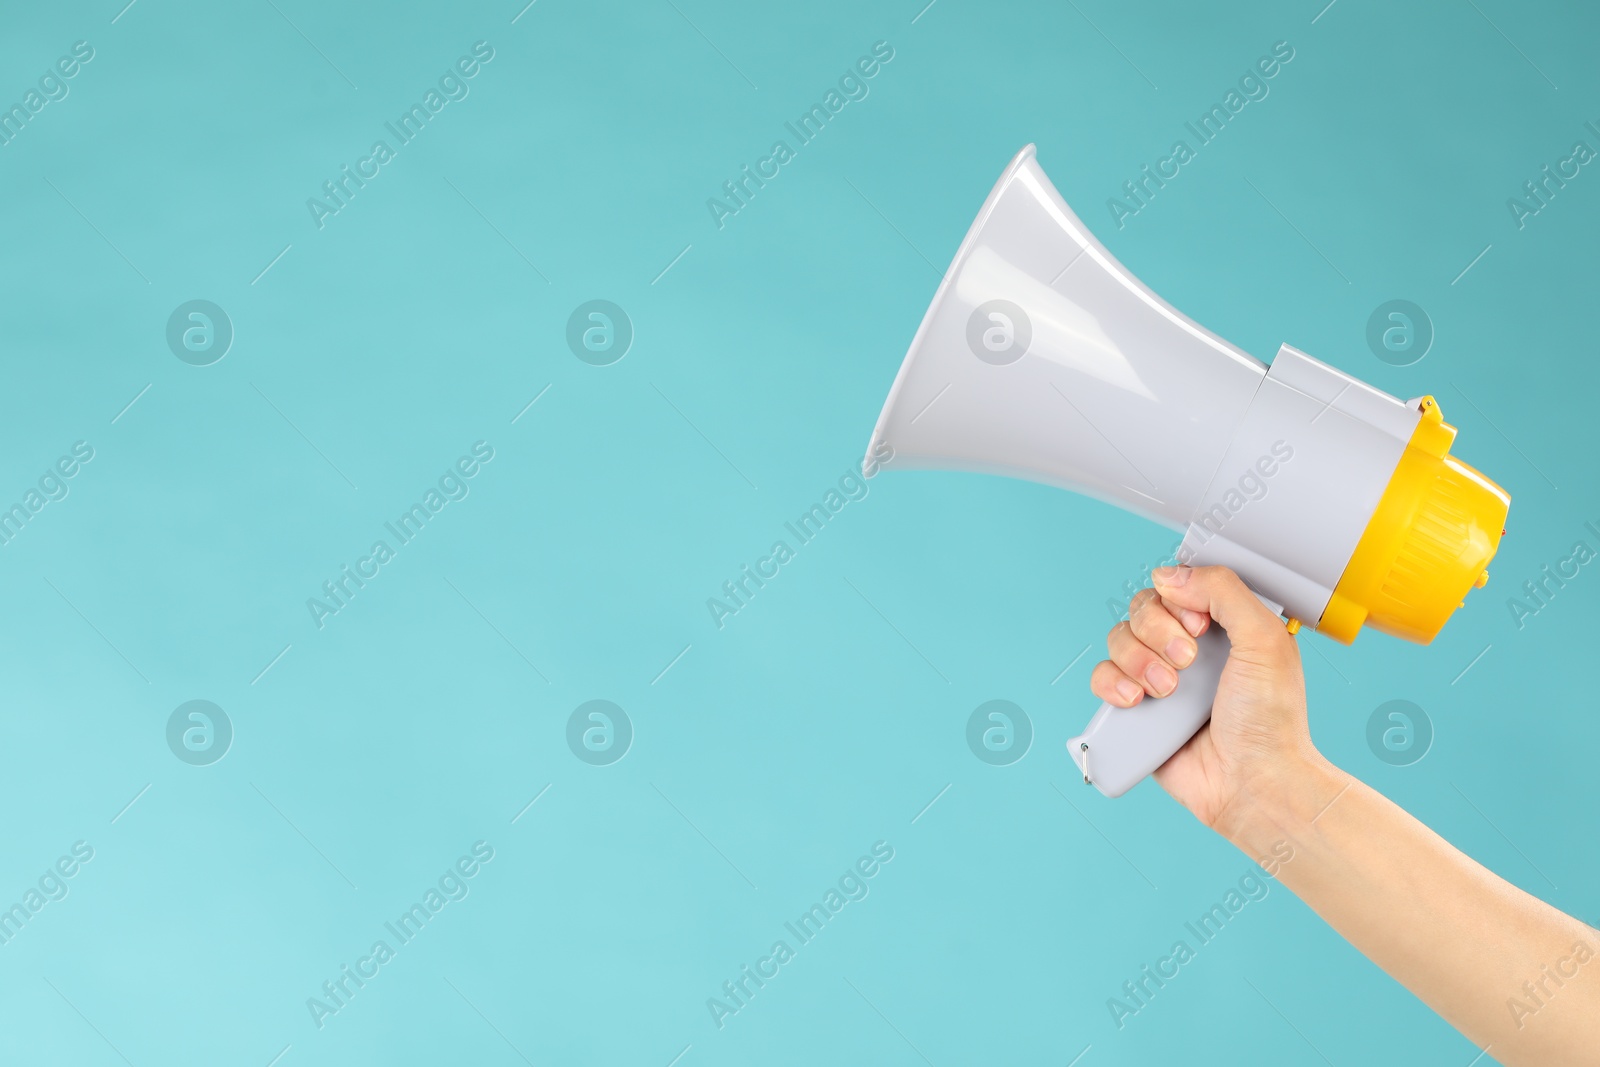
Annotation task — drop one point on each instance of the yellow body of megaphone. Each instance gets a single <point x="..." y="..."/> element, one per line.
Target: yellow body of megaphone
<point x="1042" y="357"/>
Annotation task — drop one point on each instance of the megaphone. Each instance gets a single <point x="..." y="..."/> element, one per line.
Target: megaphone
<point x="1042" y="357"/>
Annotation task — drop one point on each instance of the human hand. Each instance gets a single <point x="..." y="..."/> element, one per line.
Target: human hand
<point x="1258" y="732"/>
<point x="1395" y="889"/>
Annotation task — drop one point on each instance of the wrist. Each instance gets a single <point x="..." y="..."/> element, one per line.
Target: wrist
<point x="1281" y="802"/>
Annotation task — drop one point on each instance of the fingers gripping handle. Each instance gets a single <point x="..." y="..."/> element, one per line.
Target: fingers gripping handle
<point x="1120" y="746"/>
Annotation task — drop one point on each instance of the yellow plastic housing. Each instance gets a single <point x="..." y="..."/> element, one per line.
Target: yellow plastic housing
<point x="1430" y="540"/>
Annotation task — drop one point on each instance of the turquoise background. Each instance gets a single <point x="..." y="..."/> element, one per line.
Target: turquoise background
<point x="767" y="756"/>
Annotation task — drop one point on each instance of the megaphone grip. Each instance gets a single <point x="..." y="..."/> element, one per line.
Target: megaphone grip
<point x="1120" y="746"/>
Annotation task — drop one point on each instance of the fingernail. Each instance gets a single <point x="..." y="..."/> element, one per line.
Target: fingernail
<point x="1173" y="576"/>
<point x="1129" y="691"/>
<point x="1192" y="621"/>
<point x="1161" y="678"/>
<point x="1180" y="651"/>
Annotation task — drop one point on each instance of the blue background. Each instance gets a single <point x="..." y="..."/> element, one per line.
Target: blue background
<point x="770" y="754"/>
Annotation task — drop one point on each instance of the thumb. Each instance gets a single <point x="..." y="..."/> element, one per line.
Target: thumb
<point x="1223" y="595"/>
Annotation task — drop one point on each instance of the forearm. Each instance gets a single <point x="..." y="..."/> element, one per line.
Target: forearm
<point x="1506" y="969"/>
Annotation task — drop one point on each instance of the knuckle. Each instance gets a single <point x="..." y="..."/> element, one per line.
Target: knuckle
<point x="1157" y="627"/>
<point x="1103" y="681"/>
<point x="1145" y="610"/>
<point x="1220" y="576"/>
<point x="1132" y="656"/>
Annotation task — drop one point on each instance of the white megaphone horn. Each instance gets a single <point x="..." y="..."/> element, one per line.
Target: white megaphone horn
<point x="1042" y="357"/>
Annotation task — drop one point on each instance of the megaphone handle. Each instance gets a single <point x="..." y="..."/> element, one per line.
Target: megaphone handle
<point x="1120" y="746"/>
